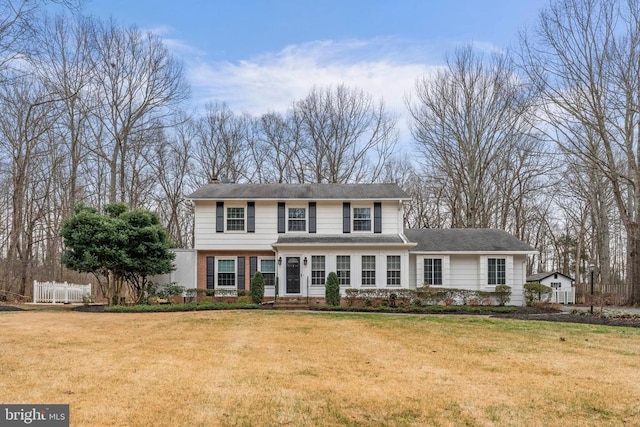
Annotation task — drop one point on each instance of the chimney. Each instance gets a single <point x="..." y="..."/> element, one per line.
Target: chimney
<point x="214" y="180"/>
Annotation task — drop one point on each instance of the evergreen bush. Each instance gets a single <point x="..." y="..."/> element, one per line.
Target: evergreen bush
<point x="257" y="288"/>
<point x="332" y="290"/>
<point x="503" y="294"/>
<point x="534" y="292"/>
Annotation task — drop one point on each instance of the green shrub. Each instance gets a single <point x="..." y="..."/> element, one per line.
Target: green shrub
<point x="534" y="292"/>
<point x="332" y="290"/>
<point x="257" y="288"/>
<point x="503" y="294"/>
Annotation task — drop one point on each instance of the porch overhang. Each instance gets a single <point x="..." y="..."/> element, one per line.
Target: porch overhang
<point x="343" y="240"/>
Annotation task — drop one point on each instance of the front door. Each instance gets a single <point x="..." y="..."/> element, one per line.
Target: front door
<point x="293" y="275"/>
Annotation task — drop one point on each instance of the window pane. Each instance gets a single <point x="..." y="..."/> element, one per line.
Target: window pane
<point x="343" y="263"/>
<point x="268" y="266"/>
<point x="361" y="219"/>
<point x="433" y="271"/>
<point x="393" y="270"/>
<point x="368" y="270"/>
<point x="297" y="221"/>
<point x="496" y="271"/>
<point x="226" y="266"/>
<point x="235" y="219"/>
<point x="317" y="270"/>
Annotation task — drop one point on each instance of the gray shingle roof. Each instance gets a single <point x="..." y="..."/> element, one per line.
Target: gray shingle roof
<point x="541" y="276"/>
<point x="340" y="239"/>
<point x="465" y="240"/>
<point x="300" y="191"/>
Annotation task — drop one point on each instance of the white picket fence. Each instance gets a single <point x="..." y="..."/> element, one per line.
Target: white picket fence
<point x="54" y="292"/>
<point x="563" y="297"/>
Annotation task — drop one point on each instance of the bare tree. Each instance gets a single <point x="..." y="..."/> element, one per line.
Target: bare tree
<point x="223" y="144"/>
<point x="471" y="122"/>
<point x="584" y="56"/>
<point x="172" y="163"/>
<point x="24" y="122"/>
<point x="345" y="136"/>
<point x="278" y="149"/>
<point x="137" y="83"/>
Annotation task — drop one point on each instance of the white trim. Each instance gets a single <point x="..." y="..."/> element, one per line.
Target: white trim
<point x="353" y="218"/>
<point x="306" y="218"/>
<point x="217" y="272"/>
<point x="446" y="263"/>
<point x="244" y="210"/>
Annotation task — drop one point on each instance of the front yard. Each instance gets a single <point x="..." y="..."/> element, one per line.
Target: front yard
<point x="286" y="368"/>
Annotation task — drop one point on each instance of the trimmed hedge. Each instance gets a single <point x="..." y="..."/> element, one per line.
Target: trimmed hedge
<point x="434" y="309"/>
<point x="426" y="296"/>
<point x="536" y="292"/>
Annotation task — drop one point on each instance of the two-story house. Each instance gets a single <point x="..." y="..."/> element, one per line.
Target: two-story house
<point x="295" y="234"/>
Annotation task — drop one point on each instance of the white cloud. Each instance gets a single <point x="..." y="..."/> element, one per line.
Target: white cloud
<point x="384" y="68"/>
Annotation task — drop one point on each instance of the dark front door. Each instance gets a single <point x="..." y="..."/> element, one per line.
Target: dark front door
<point x="293" y="275"/>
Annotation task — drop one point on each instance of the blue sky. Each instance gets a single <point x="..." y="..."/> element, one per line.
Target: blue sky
<point x="259" y="56"/>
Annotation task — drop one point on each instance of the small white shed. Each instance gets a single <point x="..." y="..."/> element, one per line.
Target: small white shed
<point x="562" y="285"/>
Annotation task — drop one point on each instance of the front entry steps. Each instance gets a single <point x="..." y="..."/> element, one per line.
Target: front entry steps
<point x="295" y="303"/>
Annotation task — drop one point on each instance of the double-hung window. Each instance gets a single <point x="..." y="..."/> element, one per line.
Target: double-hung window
<point x="317" y="270"/>
<point x="393" y="270"/>
<point x="361" y="219"/>
<point x="432" y="271"/>
<point x="297" y="219"/>
<point x="235" y="219"/>
<point x="268" y="270"/>
<point x="343" y="269"/>
<point x="227" y="272"/>
<point x="368" y="270"/>
<point x="497" y="271"/>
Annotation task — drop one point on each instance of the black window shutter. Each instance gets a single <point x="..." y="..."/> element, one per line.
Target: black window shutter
<point x="253" y="266"/>
<point x="241" y="272"/>
<point x="346" y="217"/>
<point x="211" y="271"/>
<point x="377" y="217"/>
<point x="281" y="222"/>
<point x="220" y="217"/>
<point x="251" y="217"/>
<point x="312" y="217"/>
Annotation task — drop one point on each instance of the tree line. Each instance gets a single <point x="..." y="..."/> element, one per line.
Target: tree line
<point x="540" y="140"/>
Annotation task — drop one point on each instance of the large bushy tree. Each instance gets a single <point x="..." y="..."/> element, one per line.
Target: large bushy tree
<point x="120" y="247"/>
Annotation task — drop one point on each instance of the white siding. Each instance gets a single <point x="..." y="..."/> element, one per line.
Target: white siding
<point x="266" y="231"/>
<point x="328" y="217"/>
<point x="469" y="271"/>
<point x="328" y="221"/>
<point x="185" y="272"/>
<point x="330" y="254"/>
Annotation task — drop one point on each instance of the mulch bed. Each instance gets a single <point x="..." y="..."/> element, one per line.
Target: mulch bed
<point x="532" y="313"/>
<point x="4" y="307"/>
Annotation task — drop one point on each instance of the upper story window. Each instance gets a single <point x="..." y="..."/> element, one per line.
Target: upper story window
<point x="497" y="271"/>
<point x="235" y="219"/>
<point x="297" y="219"/>
<point x="361" y="219"/>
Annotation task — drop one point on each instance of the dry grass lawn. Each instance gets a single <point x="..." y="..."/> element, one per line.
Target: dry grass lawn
<point x="279" y="368"/>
